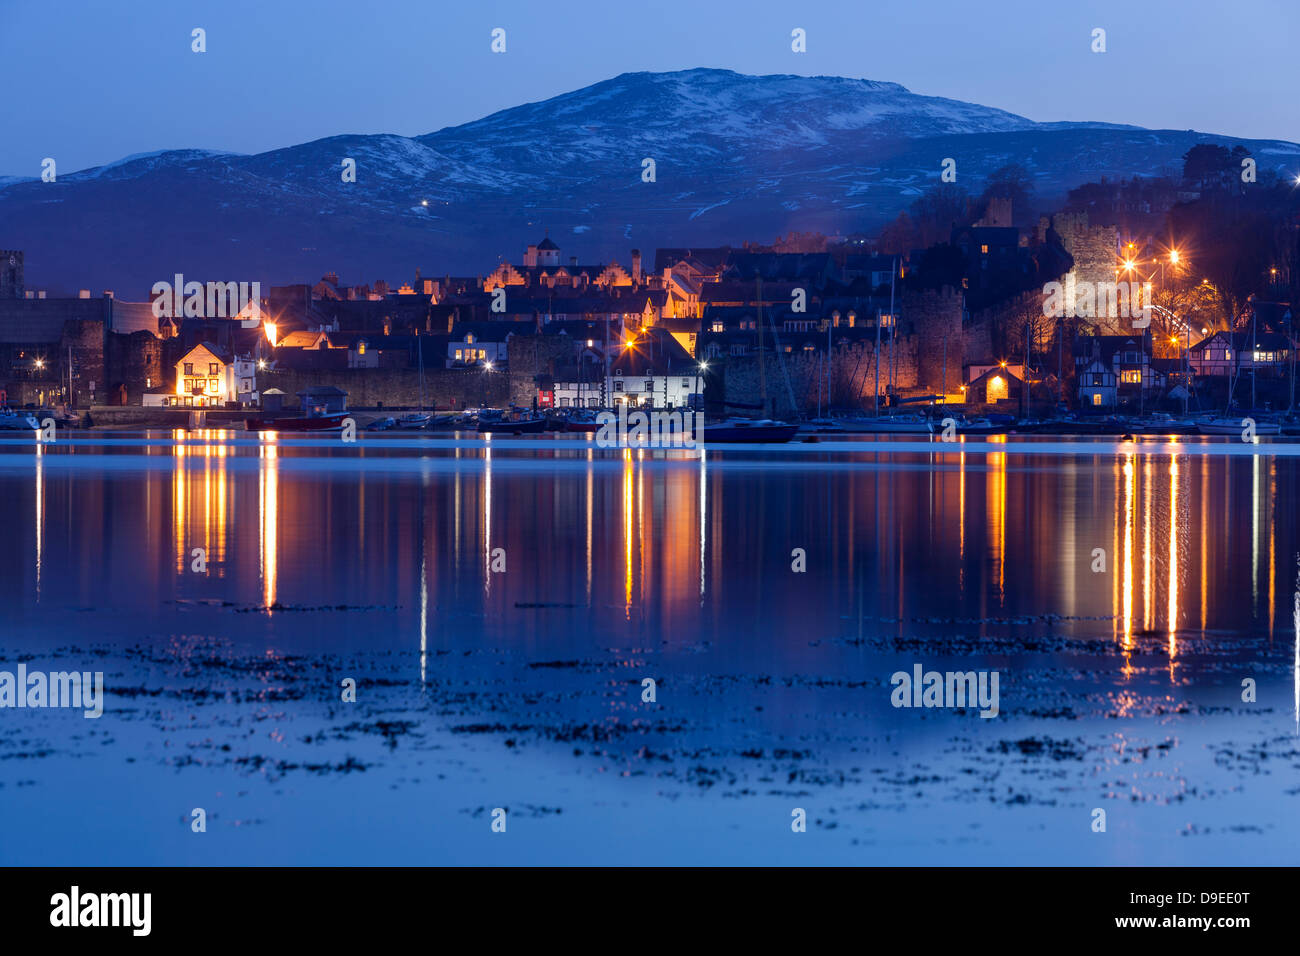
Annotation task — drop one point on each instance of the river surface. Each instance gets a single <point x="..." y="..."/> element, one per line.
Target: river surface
<point x="501" y="605"/>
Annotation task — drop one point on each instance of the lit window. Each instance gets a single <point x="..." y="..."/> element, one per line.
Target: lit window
<point x="984" y="249"/>
<point x="361" y="347"/>
<point x="189" y="368"/>
<point x="212" y="368"/>
<point x="1096" y="398"/>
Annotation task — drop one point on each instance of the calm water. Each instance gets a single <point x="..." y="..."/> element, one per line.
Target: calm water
<point x="1120" y="688"/>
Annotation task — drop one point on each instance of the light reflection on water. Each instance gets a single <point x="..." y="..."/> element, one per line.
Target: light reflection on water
<point x="995" y="535"/>
<point x="640" y="557"/>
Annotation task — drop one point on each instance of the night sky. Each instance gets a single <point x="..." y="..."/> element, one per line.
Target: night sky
<point x="90" y="83"/>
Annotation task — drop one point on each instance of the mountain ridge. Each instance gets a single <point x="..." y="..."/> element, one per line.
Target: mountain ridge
<point x="737" y="158"/>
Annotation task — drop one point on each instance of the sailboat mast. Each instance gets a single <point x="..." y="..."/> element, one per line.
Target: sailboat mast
<point x="893" y="328"/>
<point x="877" y="363"/>
<point x="419" y="357"/>
<point x="1253" y="348"/>
<point x="819" y="386"/>
<point x="762" y="373"/>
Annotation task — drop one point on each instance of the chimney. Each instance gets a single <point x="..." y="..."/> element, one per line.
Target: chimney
<point x="108" y="293"/>
<point x="83" y="294"/>
<point x="573" y="260"/>
<point x="636" y="266"/>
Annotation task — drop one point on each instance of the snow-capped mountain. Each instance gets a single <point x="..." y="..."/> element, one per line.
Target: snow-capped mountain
<point x="735" y="158"/>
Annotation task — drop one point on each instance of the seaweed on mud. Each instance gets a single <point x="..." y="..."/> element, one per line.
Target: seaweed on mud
<point x="1042" y="747"/>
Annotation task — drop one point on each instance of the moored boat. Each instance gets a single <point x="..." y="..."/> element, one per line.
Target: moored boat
<point x="892" y="425"/>
<point x="443" y="423"/>
<point x="415" y="420"/>
<point x="18" y="421"/>
<point x="1236" y="426"/>
<point x="521" y="426"/>
<point x="313" y="423"/>
<point x="822" y="426"/>
<point x="981" y="426"/>
<point x="1160" y="423"/>
<point x="747" y="431"/>
<point x="584" y="421"/>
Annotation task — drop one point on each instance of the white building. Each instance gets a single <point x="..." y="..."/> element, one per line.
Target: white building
<point x="650" y="370"/>
<point x="207" y="376"/>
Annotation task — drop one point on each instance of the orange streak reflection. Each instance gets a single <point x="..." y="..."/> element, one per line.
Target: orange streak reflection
<point x="1173" y="563"/>
<point x="1126" y="589"/>
<point x="268" y="502"/>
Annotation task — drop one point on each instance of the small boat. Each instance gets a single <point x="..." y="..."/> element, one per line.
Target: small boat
<point x="892" y="425"/>
<point x="981" y="426"/>
<point x="582" y="422"/>
<point x="748" y="431"/>
<point x="515" y="426"/>
<point x="1096" y="426"/>
<point x="444" y="423"/>
<point x="1234" y="426"/>
<point x="381" y="424"/>
<point x="823" y="425"/>
<point x="313" y="423"/>
<point x="1161" y="423"/>
<point x="415" y="420"/>
<point x="18" y="421"/>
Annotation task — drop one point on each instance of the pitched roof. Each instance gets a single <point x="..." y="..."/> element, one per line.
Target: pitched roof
<point x="217" y="351"/>
<point x="484" y="331"/>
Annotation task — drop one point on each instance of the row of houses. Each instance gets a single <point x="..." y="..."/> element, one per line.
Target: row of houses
<point x="1111" y="367"/>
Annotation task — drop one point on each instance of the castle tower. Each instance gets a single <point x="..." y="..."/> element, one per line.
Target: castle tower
<point x="548" y="253"/>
